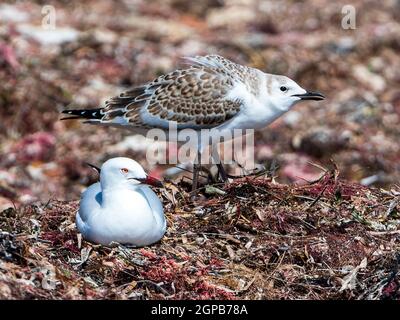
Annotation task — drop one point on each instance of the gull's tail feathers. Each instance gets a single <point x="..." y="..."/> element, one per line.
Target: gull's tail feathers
<point x="90" y="114"/>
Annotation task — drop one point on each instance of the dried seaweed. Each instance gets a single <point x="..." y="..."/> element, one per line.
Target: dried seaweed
<point x="258" y="240"/>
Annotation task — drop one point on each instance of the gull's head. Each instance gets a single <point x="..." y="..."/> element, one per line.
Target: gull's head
<point x="283" y="92"/>
<point x="124" y="172"/>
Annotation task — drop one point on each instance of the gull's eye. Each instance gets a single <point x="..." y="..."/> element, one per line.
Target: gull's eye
<point x="124" y="170"/>
<point x="283" y="89"/>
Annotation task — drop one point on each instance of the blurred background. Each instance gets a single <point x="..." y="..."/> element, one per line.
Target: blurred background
<point x="54" y="53"/>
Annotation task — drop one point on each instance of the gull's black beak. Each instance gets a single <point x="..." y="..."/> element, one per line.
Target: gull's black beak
<point x="94" y="167"/>
<point x="151" y="181"/>
<point x="310" y="96"/>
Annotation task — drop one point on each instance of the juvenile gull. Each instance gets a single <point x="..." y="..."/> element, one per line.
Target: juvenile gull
<point x="212" y="93"/>
<point x="121" y="208"/>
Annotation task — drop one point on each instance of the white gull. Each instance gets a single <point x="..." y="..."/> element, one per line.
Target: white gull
<point x="121" y="208"/>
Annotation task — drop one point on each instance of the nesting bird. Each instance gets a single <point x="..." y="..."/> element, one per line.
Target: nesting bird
<point x="213" y="93"/>
<point x="121" y="208"/>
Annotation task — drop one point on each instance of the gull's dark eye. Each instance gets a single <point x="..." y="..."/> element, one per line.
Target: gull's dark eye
<point x="124" y="170"/>
<point x="283" y="89"/>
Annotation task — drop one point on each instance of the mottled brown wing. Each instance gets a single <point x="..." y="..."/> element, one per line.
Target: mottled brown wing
<point x="246" y="75"/>
<point x="194" y="98"/>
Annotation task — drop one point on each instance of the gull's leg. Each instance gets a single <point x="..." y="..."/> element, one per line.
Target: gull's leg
<point x="210" y="177"/>
<point x="221" y="170"/>
<point x="196" y="171"/>
<point x="222" y="173"/>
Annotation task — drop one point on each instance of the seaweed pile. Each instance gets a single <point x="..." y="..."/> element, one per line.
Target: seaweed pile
<point x="251" y="239"/>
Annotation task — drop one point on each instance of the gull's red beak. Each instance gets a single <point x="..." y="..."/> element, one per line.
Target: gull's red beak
<point x="151" y="181"/>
